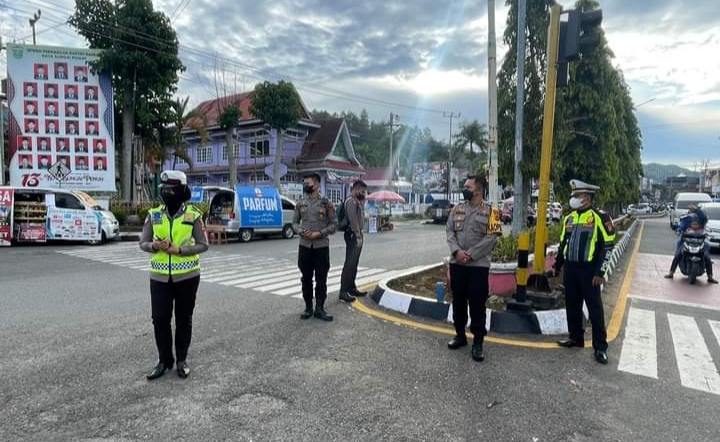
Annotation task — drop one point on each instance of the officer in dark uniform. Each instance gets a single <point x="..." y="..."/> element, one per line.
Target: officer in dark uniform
<point x="314" y="220"/>
<point x="472" y="230"/>
<point x="585" y="244"/>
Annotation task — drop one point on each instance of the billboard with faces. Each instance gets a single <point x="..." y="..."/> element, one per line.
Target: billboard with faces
<point x="59" y="110"/>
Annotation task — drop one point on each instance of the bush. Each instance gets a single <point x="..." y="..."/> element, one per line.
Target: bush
<point x="120" y="214"/>
<point x="506" y="249"/>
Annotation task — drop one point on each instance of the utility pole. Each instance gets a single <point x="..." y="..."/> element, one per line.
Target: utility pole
<point x="492" y="101"/>
<point x="450" y="115"/>
<point x="518" y="198"/>
<point x="32" y="21"/>
<point x="547" y="138"/>
<point x="2" y="130"/>
<point x="392" y="124"/>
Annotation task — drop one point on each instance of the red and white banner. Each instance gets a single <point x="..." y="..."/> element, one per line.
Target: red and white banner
<point x="60" y="110"/>
<point x="6" y="216"/>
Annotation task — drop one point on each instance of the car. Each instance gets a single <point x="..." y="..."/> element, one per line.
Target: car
<point x="684" y="200"/>
<point x="712" y="228"/>
<point x="440" y="210"/>
<point x="640" y="209"/>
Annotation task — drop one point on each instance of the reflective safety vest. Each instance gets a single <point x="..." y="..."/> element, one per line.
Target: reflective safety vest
<point x="178" y="231"/>
<point x="580" y="233"/>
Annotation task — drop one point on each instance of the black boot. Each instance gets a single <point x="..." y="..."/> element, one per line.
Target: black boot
<point x="183" y="369"/>
<point x="478" y="354"/>
<point x="308" y="311"/>
<point x="711" y="280"/>
<point x="457" y="342"/>
<point x="321" y="314"/>
<point x="159" y="370"/>
<point x="673" y="267"/>
<point x="347" y="297"/>
<point x="357" y="293"/>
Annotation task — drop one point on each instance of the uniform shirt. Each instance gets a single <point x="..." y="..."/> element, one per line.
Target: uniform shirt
<point x="201" y="244"/>
<point x="355" y="213"/>
<point x="587" y="237"/>
<point x="315" y="213"/>
<point x="475" y="229"/>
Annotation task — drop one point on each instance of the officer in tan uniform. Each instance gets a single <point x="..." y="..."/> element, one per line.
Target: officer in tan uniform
<point x="472" y="231"/>
<point x="315" y="220"/>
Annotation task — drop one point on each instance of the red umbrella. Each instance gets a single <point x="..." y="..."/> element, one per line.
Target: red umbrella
<point x="386" y="195"/>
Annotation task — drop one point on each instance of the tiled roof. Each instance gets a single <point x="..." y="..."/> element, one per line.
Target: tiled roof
<point x="320" y="142"/>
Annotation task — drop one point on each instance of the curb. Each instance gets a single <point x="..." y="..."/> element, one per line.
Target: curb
<point x="128" y="236"/>
<point x="546" y="322"/>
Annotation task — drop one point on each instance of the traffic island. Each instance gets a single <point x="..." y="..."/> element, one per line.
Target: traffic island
<point x="420" y="293"/>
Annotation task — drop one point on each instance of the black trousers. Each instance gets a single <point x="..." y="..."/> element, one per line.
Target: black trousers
<point x="469" y="285"/>
<point x="352" y="260"/>
<point x="315" y="262"/>
<point x="162" y="296"/>
<point x="578" y="288"/>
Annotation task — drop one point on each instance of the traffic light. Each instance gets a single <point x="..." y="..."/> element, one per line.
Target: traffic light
<point x="580" y="33"/>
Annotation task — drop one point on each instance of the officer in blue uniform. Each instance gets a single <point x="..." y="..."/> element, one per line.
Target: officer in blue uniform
<point x="585" y="244"/>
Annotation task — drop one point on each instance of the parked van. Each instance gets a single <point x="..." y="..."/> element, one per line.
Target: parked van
<point x="248" y="211"/>
<point x="40" y="215"/>
<point x="682" y="202"/>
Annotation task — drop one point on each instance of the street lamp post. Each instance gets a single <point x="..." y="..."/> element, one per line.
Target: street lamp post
<point x="32" y="21"/>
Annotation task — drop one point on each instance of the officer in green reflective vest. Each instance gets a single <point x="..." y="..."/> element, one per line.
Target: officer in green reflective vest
<point x="585" y="244"/>
<point x="174" y="234"/>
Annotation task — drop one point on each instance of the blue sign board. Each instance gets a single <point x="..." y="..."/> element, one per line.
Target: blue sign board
<point x="196" y="193"/>
<point x="259" y="206"/>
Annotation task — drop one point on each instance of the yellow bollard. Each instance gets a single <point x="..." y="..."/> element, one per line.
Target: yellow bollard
<point x="521" y="274"/>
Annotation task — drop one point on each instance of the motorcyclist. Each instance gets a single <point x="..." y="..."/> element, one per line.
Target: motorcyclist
<point x="694" y="222"/>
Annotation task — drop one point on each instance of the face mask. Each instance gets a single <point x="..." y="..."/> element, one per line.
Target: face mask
<point x="361" y="196"/>
<point x="171" y="196"/>
<point x="308" y="189"/>
<point x="468" y="194"/>
<point x="575" y="203"/>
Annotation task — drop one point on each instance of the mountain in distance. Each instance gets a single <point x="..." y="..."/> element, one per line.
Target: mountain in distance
<point x="659" y="172"/>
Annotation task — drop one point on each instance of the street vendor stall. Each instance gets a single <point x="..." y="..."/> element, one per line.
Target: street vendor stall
<point x="383" y="200"/>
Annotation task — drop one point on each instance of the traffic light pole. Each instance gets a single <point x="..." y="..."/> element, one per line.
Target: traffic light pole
<point x="547" y="139"/>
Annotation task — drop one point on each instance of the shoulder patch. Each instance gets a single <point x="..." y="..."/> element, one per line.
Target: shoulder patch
<point x="607" y="221"/>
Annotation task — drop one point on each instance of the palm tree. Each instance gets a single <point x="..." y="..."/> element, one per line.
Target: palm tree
<point x="472" y="134"/>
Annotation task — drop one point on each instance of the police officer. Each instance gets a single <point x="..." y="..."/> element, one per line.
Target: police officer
<point x="354" y="211"/>
<point x="174" y="234"/>
<point x="314" y="221"/>
<point x="585" y="245"/>
<point x="472" y="231"/>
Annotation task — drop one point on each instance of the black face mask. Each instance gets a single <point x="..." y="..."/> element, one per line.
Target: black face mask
<point x="308" y="189"/>
<point x="361" y="196"/>
<point x="468" y="194"/>
<point x="172" y="197"/>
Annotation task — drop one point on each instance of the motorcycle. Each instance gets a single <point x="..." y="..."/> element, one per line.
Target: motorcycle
<point x="692" y="262"/>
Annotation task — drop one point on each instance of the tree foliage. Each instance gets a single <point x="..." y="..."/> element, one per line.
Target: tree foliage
<point x="140" y="48"/>
<point x="277" y="105"/>
<point x="596" y="137"/>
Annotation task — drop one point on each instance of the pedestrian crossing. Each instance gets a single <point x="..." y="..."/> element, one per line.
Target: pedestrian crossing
<point x="276" y="276"/>
<point x="694" y="362"/>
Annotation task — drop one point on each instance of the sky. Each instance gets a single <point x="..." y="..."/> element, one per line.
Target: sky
<point x="425" y="59"/>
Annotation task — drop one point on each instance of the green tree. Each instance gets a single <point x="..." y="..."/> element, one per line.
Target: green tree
<point x="472" y="134"/>
<point x="535" y="68"/>
<point x="598" y="139"/>
<point x="140" y="48"/>
<point x="278" y="105"/>
<point x="180" y="119"/>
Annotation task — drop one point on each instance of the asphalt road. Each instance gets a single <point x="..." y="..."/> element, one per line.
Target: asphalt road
<point x="77" y="342"/>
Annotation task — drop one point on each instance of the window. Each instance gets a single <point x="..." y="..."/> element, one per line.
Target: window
<point x="258" y="177"/>
<point x="287" y="205"/>
<point x="259" y="142"/>
<point x="179" y="160"/>
<point x="204" y="154"/>
<point x="225" y="179"/>
<point x="294" y="134"/>
<point x="334" y="193"/>
<point x="201" y="181"/>
<point x="67" y="201"/>
<point x="236" y="151"/>
<point x="290" y="177"/>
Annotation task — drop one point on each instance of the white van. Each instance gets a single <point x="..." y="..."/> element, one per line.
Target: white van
<point x="42" y="214"/>
<point x="248" y="211"/>
<point x="682" y="202"/>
